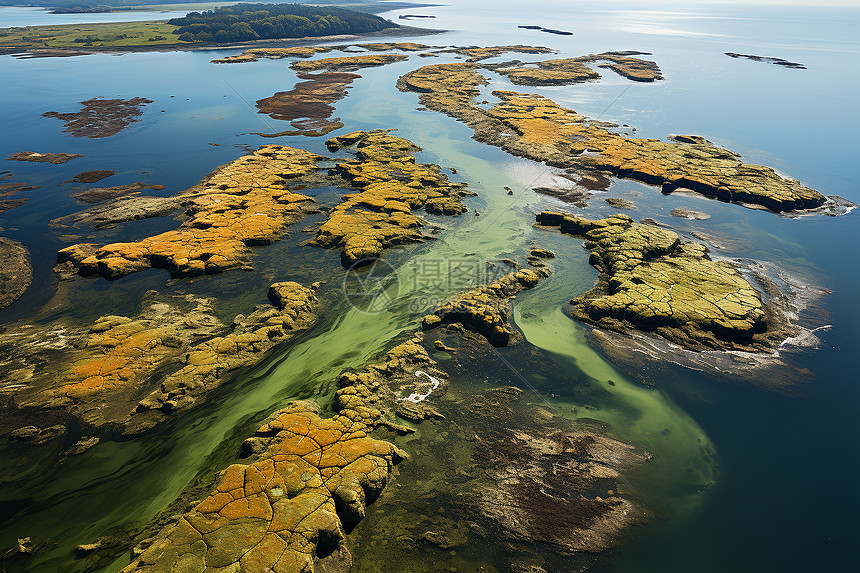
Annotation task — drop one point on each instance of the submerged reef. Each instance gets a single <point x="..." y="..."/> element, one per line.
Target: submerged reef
<point x="9" y="189"/>
<point x="101" y="117"/>
<point x="652" y="280"/>
<point x="543" y="482"/>
<point x="35" y="157"/>
<point x="535" y="127"/>
<point x="131" y="372"/>
<point x="308" y="105"/>
<point x="16" y="273"/>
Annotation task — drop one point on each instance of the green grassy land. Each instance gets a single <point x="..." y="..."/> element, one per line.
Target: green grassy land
<point x="114" y="34"/>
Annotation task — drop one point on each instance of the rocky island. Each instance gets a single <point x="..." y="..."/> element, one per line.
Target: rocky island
<point x="652" y="280"/>
<point x="534" y="126"/>
<point x="101" y="117"/>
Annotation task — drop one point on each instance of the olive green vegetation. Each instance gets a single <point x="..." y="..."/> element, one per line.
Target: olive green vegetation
<point x="222" y="25"/>
<point x="115" y="34"/>
<point x="271" y="21"/>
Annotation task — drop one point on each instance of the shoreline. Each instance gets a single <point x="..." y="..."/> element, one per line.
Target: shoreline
<point x="27" y="53"/>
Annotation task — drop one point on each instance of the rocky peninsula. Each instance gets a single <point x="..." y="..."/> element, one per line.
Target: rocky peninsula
<point x="535" y="127"/>
<point x="653" y="281"/>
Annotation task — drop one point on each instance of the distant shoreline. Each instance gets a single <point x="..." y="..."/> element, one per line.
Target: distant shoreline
<point x="35" y="52"/>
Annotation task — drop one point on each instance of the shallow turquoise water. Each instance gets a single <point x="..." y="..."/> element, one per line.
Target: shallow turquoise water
<point x="782" y="496"/>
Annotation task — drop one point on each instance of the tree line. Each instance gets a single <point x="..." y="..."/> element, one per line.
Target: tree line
<point x="244" y="22"/>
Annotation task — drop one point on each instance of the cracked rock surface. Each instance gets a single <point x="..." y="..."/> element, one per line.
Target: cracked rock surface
<point x="310" y="482"/>
<point x="652" y="280"/>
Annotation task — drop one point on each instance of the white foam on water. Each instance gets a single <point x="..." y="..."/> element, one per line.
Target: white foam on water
<point x="416" y="397"/>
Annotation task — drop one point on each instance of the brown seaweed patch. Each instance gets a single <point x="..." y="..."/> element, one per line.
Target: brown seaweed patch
<point x="91" y="176"/>
<point x="35" y="157"/>
<point x="15" y="272"/>
<point x="311" y="100"/>
<point x="98" y="194"/>
<point x="101" y="117"/>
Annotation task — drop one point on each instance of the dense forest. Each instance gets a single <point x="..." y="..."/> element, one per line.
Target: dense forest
<point x="244" y="22"/>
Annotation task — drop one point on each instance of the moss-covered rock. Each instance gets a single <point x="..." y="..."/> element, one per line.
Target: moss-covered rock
<point x="486" y="309"/>
<point x="652" y="280"/>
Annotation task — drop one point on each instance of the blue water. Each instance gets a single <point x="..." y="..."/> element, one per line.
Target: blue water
<point x="31" y="16"/>
<point x="784" y="499"/>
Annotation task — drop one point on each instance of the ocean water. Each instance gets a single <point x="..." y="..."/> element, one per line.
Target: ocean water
<point x="745" y="477"/>
<point x="31" y="16"/>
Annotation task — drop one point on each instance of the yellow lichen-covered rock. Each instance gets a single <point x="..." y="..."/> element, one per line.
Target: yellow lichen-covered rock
<point x="536" y="127"/>
<point x="623" y="64"/>
<point x="575" y="72"/>
<point x="392" y="184"/>
<point x="254" y="54"/>
<point x="403" y="46"/>
<point x="486" y="309"/>
<point x="244" y="203"/>
<point x="274" y="54"/>
<point x="172" y="353"/>
<point x="249" y="202"/>
<point x="371" y="395"/>
<point x="277" y="513"/>
<point x="347" y="63"/>
<point x="310" y="481"/>
<point x="476" y="54"/>
<point x="654" y="281"/>
<point x="208" y="364"/>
